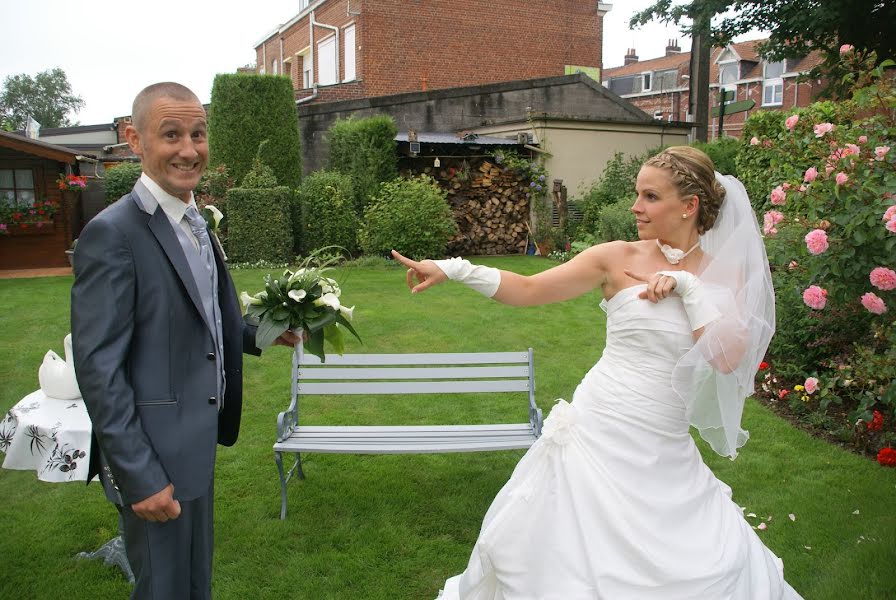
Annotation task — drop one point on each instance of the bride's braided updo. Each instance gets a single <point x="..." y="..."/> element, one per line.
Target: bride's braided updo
<point x="694" y="175"/>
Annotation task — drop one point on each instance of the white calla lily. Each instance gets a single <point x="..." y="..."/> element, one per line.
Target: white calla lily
<point x="246" y="299"/>
<point x="328" y="299"/>
<point x="297" y="295"/>
<point x="347" y="312"/>
<point x="217" y="215"/>
<point x="297" y="275"/>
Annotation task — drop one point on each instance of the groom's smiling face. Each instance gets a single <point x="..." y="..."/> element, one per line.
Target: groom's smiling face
<point x="173" y="144"/>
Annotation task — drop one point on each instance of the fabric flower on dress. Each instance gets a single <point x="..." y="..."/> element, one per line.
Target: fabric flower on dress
<point x="873" y="303"/>
<point x="883" y="278"/>
<point x="559" y="424"/>
<point x="815" y="297"/>
<point x="816" y="241"/>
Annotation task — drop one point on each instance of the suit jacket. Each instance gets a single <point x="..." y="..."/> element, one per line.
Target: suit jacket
<point x="145" y="357"/>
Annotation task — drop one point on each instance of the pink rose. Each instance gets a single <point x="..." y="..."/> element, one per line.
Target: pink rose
<point x="790" y="123"/>
<point x="828" y="170"/>
<point x="817" y="241"/>
<point x="846" y="48"/>
<point x="811" y="385"/>
<point x="785" y="186"/>
<point x="803" y="188"/>
<point x="822" y="128"/>
<point x="810" y="175"/>
<point x="874" y="304"/>
<point x="841" y="178"/>
<point x="883" y="278"/>
<point x="778" y="196"/>
<point x="754" y="141"/>
<point x="880" y="152"/>
<point x="770" y="219"/>
<point x="863" y="139"/>
<point x="891" y="225"/>
<point x="815" y="297"/>
<point x="793" y="265"/>
<point x="890" y="213"/>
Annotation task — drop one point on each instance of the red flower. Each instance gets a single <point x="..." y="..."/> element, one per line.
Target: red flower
<point x="783" y="393"/>
<point x="877" y="422"/>
<point x="763" y="366"/>
<point x="887" y="457"/>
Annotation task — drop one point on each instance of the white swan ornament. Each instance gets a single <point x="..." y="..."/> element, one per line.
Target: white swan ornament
<point x="57" y="377"/>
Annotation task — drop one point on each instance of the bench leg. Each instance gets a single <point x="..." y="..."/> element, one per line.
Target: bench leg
<point x="298" y="466"/>
<point x="278" y="458"/>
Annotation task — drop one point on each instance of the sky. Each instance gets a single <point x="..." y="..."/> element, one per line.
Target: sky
<point x="111" y="49"/>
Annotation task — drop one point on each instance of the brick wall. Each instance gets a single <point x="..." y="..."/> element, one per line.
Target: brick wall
<point x="417" y="45"/>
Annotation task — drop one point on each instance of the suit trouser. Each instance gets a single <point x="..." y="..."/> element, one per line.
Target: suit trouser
<point x="172" y="560"/>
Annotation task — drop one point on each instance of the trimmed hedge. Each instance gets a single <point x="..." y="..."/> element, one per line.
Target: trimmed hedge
<point x="247" y="109"/>
<point x="324" y="213"/>
<point x="723" y="153"/>
<point x="259" y="225"/>
<point x="411" y="216"/>
<point x="120" y="179"/>
<point x="364" y="149"/>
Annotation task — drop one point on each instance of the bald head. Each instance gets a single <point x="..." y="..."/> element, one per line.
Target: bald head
<point x="145" y="99"/>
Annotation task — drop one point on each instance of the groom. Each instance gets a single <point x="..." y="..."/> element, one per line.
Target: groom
<point x="158" y="339"/>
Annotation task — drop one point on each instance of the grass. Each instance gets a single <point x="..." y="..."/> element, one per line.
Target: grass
<point x="394" y="527"/>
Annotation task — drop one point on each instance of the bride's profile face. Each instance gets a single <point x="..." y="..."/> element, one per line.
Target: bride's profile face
<point x="659" y="206"/>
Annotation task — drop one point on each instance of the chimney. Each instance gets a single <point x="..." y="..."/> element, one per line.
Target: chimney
<point x="672" y="48"/>
<point x="630" y="56"/>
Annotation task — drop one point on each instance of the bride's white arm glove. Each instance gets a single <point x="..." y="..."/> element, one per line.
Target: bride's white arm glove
<point x="484" y="280"/>
<point x="699" y="309"/>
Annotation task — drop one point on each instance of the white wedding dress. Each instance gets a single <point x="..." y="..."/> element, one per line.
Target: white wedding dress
<point x="614" y="501"/>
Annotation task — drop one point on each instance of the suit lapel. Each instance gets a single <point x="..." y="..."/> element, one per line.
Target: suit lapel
<point x="164" y="234"/>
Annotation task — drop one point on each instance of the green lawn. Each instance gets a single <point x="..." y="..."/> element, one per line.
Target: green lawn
<point x="394" y="527"/>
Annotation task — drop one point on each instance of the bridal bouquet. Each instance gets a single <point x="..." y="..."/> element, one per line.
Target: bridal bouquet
<point x="304" y="299"/>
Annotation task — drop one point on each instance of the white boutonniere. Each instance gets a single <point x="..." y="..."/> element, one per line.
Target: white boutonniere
<point x="213" y="217"/>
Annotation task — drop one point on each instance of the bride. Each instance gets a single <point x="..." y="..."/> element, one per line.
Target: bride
<point x="614" y="501"/>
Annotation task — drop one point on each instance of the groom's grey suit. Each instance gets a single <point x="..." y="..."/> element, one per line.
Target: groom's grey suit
<point x="149" y="368"/>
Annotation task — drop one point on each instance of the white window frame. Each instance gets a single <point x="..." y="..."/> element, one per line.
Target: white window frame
<point x="349" y="55"/>
<point x="773" y="86"/>
<point x="275" y="67"/>
<point x="646" y="78"/>
<point x="19" y="194"/>
<point x="327" y="69"/>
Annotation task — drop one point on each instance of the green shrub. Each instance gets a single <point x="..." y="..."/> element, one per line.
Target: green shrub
<point x="259" y="226"/>
<point x="616" y="222"/>
<point x="324" y="213"/>
<point x="247" y="109"/>
<point x="723" y="153"/>
<point x="409" y="215"/>
<point x="260" y="176"/>
<point x="364" y="149"/>
<point x="120" y="180"/>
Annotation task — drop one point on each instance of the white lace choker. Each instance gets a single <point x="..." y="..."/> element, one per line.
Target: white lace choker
<point x="674" y="255"/>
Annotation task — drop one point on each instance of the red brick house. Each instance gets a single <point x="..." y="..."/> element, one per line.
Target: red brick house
<point x="351" y="49"/>
<point x="659" y="86"/>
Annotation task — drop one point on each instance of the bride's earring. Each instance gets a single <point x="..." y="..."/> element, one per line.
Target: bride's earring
<point x="684" y="216"/>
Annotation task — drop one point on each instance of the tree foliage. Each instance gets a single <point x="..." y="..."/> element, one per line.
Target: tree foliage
<point x="796" y="27"/>
<point x="47" y="98"/>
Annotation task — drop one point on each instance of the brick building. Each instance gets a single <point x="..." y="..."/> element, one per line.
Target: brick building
<point x="659" y="86"/>
<point x="352" y="49"/>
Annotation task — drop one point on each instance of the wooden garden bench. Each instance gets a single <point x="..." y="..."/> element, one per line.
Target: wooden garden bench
<point x="426" y="373"/>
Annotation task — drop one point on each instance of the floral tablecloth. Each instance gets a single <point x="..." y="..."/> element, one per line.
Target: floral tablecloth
<point x="47" y="435"/>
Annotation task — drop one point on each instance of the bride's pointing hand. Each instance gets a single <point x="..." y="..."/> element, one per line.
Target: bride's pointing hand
<point x="426" y="273"/>
<point x="658" y="286"/>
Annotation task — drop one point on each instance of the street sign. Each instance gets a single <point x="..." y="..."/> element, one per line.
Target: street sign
<point x="727" y="96"/>
<point x="734" y="107"/>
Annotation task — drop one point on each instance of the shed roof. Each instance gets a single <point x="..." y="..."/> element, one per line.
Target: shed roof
<point x="55" y="152"/>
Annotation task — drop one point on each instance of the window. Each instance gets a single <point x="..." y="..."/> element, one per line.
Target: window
<point x="307" y="66"/>
<point x="17" y="187"/>
<point x="274" y="69"/>
<point x="326" y="62"/>
<point x="645" y="81"/>
<point x="773" y="84"/>
<point x="349" y="68"/>
<point x="625" y="85"/>
<point x="728" y="74"/>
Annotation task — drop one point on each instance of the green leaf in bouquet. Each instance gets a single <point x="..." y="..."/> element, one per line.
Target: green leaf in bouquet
<point x="347" y="324"/>
<point x="280" y="313"/>
<point x="320" y="322"/>
<point x="315" y="344"/>
<point x="269" y="330"/>
<point x="333" y="335"/>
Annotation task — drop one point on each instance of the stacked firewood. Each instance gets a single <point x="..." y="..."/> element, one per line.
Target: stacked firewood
<point x="490" y="205"/>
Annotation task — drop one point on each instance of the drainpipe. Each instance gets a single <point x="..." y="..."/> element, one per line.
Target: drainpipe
<point x="281" y="56"/>
<point x="336" y="31"/>
<point x="264" y="56"/>
<point x="313" y="95"/>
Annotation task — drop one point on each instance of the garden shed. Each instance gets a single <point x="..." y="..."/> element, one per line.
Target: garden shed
<point x="36" y="216"/>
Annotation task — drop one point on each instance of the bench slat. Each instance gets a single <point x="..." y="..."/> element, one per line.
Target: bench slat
<point x="393" y="373"/>
<point x="414" y="387"/>
<point x="448" y="358"/>
<point x="432" y="429"/>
